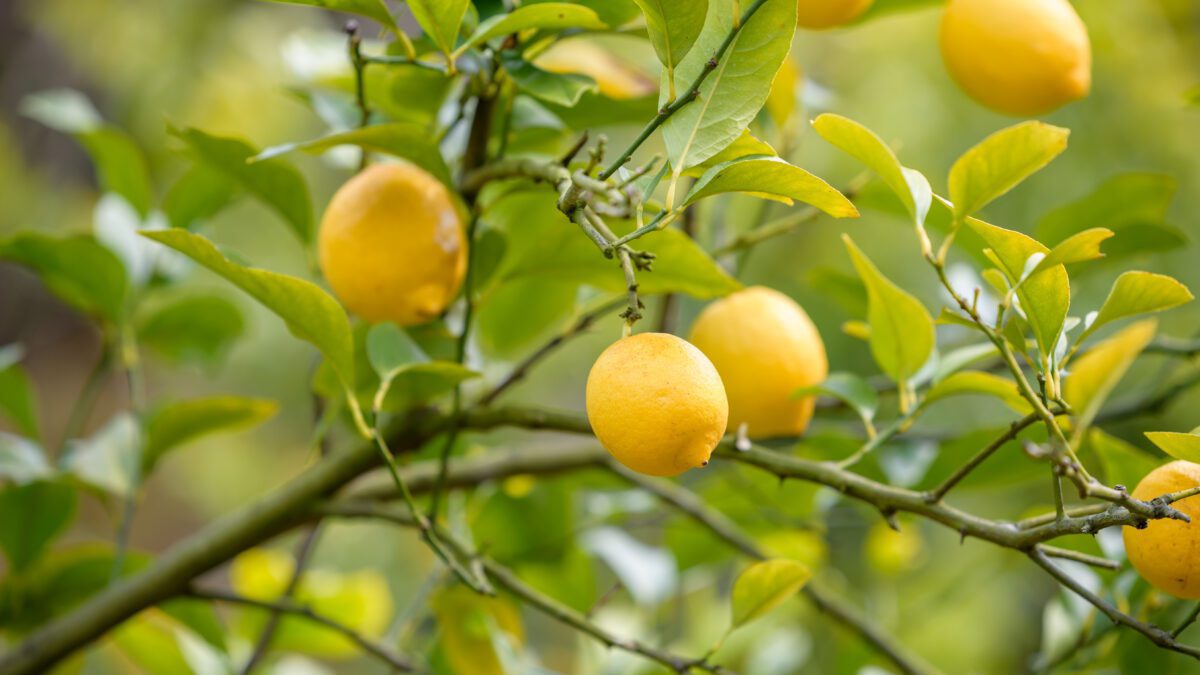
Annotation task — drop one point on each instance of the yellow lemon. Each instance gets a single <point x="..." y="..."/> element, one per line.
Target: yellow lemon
<point x="656" y="404"/>
<point x="1020" y="57"/>
<point x="1167" y="552"/>
<point x="392" y="245"/>
<point x="765" y="348"/>
<point x="818" y="14"/>
<point x="615" y="78"/>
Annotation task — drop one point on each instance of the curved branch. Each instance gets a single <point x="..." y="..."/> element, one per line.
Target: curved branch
<point x="306" y="612"/>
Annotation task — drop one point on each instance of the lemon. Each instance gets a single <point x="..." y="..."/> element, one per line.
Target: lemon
<point x="1020" y="57"/>
<point x="391" y="245"/>
<point x="656" y="404"/>
<point x="765" y="348"/>
<point x="818" y="14"/>
<point x="1167" y="552"/>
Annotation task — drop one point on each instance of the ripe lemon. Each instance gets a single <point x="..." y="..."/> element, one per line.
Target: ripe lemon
<point x="1020" y="57"/>
<point x="818" y="14"/>
<point x="392" y="246"/>
<point x="656" y="404"/>
<point x="765" y="347"/>
<point x="1167" y="552"/>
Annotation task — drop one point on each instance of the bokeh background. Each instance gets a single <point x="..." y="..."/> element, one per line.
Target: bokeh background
<point x="226" y="66"/>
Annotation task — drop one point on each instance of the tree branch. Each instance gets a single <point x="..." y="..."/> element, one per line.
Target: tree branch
<point x="294" y="609"/>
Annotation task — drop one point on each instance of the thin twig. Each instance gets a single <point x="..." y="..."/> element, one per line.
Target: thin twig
<point x="1187" y="621"/>
<point x="293" y="609"/>
<point x="938" y="493"/>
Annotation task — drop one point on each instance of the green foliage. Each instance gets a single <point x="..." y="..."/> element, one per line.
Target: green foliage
<point x="978" y="382"/>
<point x="199" y="328"/>
<point x="17" y="400"/>
<point x="109" y="460"/>
<point x="1136" y="293"/>
<point x="199" y="194"/>
<point x="763" y="586"/>
<point x="372" y="9"/>
<point x="1132" y="205"/>
<point x="405" y="140"/>
<point x="1178" y="445"/>
<point x="563" y="89"/>
<point x="180" y="422"/>
<point x="673" y="26"/>
<point x="774" y="178"/>
<point x="1095" y="375"/>
<point x="46" y="509"/>
<point x="850" y="389"/>
<point x="77" y="269"/>
<point x="277" y="183"/>
<point x="544" y="16"/>
<point x="1000" y="162"/>
<point x="440" y="19"/>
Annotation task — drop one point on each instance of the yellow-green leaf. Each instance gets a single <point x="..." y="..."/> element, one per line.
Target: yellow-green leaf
<point x="673" y="26"/>
<point x="440" y="19"/>
<point x="979" y="382"/>
<point x="182" y="421"/>
<point x="1001" y="161"/>
<point x="862" y="144"/>
<point x="1077" y="248"/>
<point x="1093" y="376"/>
<point x="546" y="16"/>
<point x="746" y="145"/>
<point x="764" y="586"/>
<point x="1178" y="445"/>
<point x="405" y="140"/>
<point x="1136" y="293"/>
<point x="902" y="332"/>
<point x="773" y="178"/>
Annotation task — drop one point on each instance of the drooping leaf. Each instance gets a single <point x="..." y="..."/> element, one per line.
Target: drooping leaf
<point x="1045" y="296"/>
<point x="673" y="26"/>
<point x="375" y="10"/>
<point x="1001" y="161"/>
<point x="773" y="178"/>
<point x="77" y="269"/>
<point x="38" y="513"/>
<point x="199" y="194"/>
<point x="862" y="144"/>
<point x="902" y="332"/>
<point x="22" y="460"/>
<point x="979" y="382"/>
<point x="1077" y="248"/>
<point x="764" y="586"/>
<point x="276" y="182"/>
<point x="1093" y="376"/>
<point x="563" y="89"/>
<point x="848" y="388"/>
<point x="473" y="630"/>
<point x="109" y="459"/>
<point x="440" y="19"/>
<point x="405" y="140"/>
<point x="120" y="165"/>
<point x="746" y="145"/>
<point x="736" y="89"/>
<point x="1178" y="445"/>
<point x="17" y="400"/>
<point x="310" y="313"/>
<point x="545" y="16"/>
<point x="1133" y="205"/>
<point x="180" y="422"/>
<point x="192" y="328"/>
<point x="1136" y="293"/>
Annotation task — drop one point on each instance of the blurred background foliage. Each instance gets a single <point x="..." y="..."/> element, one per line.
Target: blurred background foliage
<point x="247" y="69"/>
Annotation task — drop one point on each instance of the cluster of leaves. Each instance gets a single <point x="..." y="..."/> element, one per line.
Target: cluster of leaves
<point x="727" y="84"/>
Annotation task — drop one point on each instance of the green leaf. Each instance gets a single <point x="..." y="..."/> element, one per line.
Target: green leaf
<point x="848" y="388"/>
<point x="310" y="313"/>
<point x="1045" y="296"/>
<point x="764" y="586"/>
<point x="1095" y="375"/>
<point x="1133" y="205"/>
<point x="1077" y="248"/>
<point x="199" y="194"/>
<point x="110" y="459"/>
<point x="390" y="350"/>
<point x="372" y="9"/>
<point x="544" y="16"/>
<point x="563" y="89"/>
<point x="544" y="306"/>
<point x="39" y="512"/>
<point x="198" y="328"/>
<point x="673" y="26"/>
<point x="1000" y="162"/>
<point x="1178" y="445"/>
<point x="957" y="359"/>
<point x="979" y="382"/>
<point x="120" y="165"/>
<point x="17" y="399"/>
<point x="405" y="140"/>
<point x="544" y="245"/>
<point x="180" y="422"/>
<point x="77" y="269"/>
<point x="1136" y="293"/>
<point x="773" y="178"/>
<point x="746" y="145"/>
<point x="276" y="182"/>
<point x="862" y="144"/>
<point x="22" y="460"/>
<point x="734" y="92"/>
<point x="440" y="19"/>
<point x="902" y="332"/>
